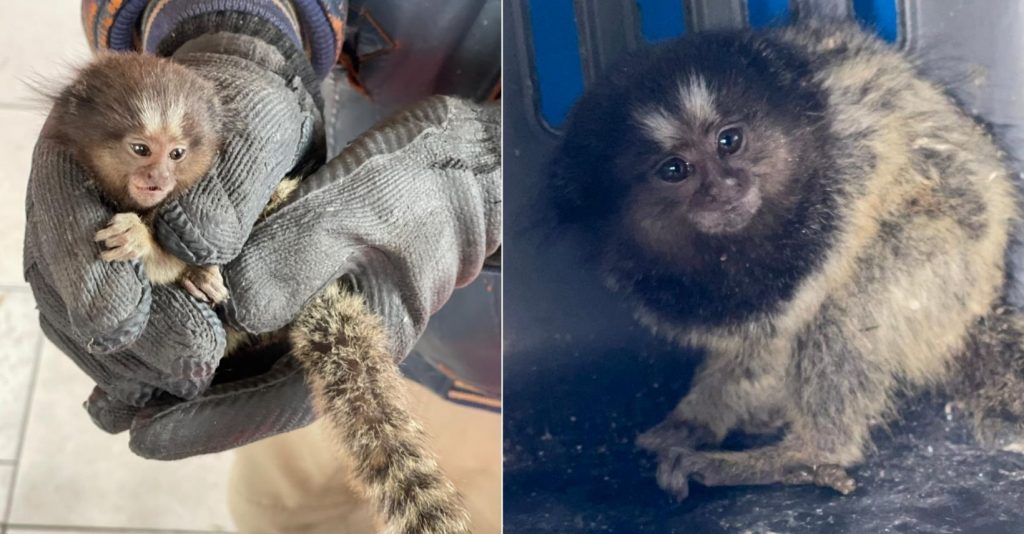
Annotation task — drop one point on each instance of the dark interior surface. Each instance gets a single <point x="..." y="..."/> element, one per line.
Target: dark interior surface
<point x="582" y="380"/>
<point x="570" y="464"/>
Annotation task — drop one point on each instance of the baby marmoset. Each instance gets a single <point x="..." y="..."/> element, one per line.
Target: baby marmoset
<point x="146" y="129"/>
<point x="825" y="223"/>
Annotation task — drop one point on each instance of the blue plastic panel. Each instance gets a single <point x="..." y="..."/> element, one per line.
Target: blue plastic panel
<point x="559" y="73"/>
<point x="762" y="13"/>
<point x="882" y="15"/>
<point x="661" y="19"/>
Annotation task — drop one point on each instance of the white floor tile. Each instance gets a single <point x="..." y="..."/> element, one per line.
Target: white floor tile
<point x="39" y="41"/>
<point x="19" y="330"/>
<point x="58" y="530"/>
<point x="17" y="139"/>
<point x="72" y="474"/>
<point x="18" y="530"/>
<point x="6" y="477"/>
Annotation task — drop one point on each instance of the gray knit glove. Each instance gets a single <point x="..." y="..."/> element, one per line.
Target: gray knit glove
<point x="136" y="340"/>
<point x="407" y="212"/>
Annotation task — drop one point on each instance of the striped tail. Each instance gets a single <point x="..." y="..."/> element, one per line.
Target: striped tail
<point x="359" y="391"/>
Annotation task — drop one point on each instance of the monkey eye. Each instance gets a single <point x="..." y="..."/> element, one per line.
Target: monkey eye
<point x="730" y="140"/>
<point x="674" y="170"/>
<point x="140" y="149"/>
<point x="177" y="154"/>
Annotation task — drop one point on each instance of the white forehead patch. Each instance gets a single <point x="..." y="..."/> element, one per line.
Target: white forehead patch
<point x="660" y="126"/>
<point x="695" y="109"/>
<point x="157" y="117"/>
<point x="697" y="101"/>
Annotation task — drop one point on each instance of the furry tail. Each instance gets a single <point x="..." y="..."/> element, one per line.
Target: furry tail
<point x="359" y="390"/>
<point x="991" y="379"/>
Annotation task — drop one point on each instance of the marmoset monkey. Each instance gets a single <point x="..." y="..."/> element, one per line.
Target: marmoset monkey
<point x="826" y="224"/>
<point x="147" y="129"/>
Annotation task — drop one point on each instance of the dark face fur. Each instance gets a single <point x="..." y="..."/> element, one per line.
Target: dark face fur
<point x="145" y="127"/>
<point x="698" y="169"/>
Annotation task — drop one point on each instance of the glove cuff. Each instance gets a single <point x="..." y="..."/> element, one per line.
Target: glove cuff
<point x="295" y="61"/>
<point x="316" y="25"/>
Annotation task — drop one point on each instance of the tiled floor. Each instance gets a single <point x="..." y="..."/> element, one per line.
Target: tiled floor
<point x="58" y="473"/>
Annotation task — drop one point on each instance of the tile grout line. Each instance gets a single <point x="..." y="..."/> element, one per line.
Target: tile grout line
<point x="24" y="428"/>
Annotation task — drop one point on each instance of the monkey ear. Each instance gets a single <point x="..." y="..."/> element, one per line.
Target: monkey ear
<point x="580" y="173"/>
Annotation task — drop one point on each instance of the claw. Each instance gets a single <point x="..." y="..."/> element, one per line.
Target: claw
<point x="835" y="477"/>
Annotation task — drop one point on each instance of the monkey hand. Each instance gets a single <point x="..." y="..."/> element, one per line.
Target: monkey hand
<point x="125" y="238"/>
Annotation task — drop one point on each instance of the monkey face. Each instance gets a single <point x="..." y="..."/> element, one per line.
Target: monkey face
<point x="144" y="169"/>
<point x="695" y="167"/>
<point x="146" y="127"/>
<point x="692" y="147"/>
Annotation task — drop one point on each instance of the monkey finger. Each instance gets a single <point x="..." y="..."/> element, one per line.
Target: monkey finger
<point x="109" y="232"/>
<point x="116" y="241"/>
<point x="122" y="253"/>
<point x="123" y="222"/>
<point x="835" y="477"/>
<point x="216" y="292"/>
<point x="194" y="291"/>
<point x="673" y="480"/>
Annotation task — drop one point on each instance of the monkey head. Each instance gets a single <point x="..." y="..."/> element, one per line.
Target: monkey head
<point x="704" y="148"/>
<point x="145" y="127"/>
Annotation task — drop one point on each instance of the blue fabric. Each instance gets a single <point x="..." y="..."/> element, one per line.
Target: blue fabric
<point x="174" y="12"/>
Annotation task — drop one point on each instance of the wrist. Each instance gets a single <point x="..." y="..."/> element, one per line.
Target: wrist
<point x="316" y="26"/>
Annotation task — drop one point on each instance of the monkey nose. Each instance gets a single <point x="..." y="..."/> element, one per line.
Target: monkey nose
<point x="724" y="190"/>
<point x="158" y="178"/>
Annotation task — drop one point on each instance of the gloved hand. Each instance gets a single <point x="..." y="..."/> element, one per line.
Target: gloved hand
<point x="407" y="212"/>
<point x="135" y="340"/>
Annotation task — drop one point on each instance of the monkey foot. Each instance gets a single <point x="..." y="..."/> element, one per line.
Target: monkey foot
<point x="678" y="466"/>
<point x="999" y="432"/>
<point x="825" y="475"/>
<point x="205" y="283"/>
<point x="672" y="433"/>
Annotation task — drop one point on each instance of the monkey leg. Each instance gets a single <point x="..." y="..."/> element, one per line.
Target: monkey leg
<point x="832" y="394"/>
<point x="768" y="465"/>
<point x="722" y="397"/>
<point x="991" y="385"/>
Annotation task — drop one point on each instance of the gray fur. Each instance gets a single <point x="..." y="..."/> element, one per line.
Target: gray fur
<point x="907" y="294"/>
